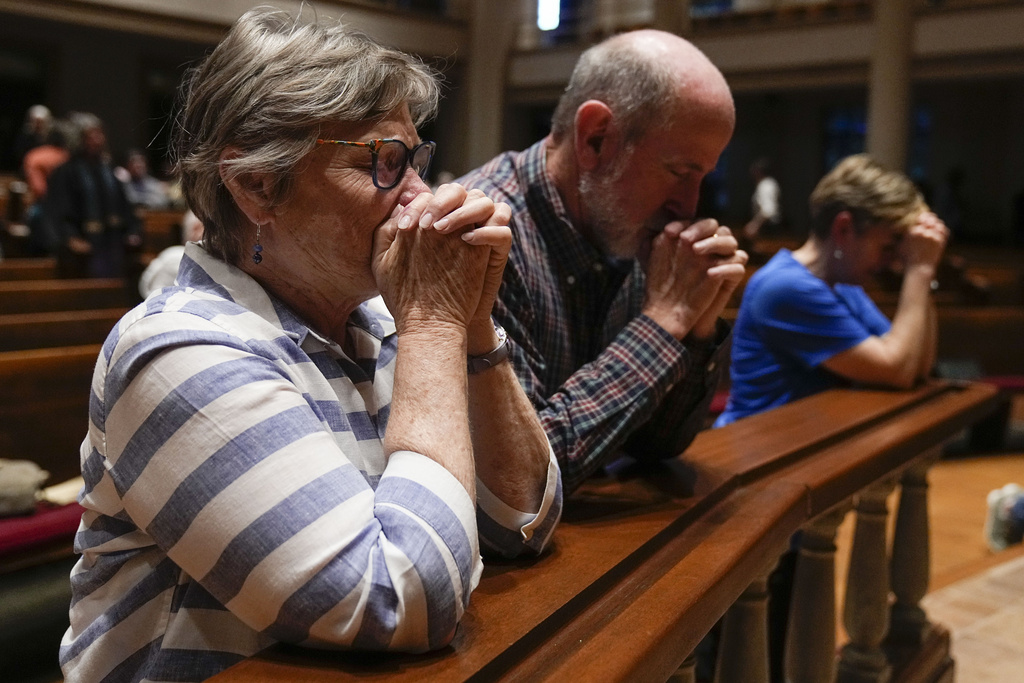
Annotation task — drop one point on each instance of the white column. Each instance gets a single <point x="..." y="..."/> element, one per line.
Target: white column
<point x="889" y="83"/>
<point x="529" y="35"/>
<point x="612" y="16"/>
<point x="672" y="16"/>
<point x="493" y="29"/>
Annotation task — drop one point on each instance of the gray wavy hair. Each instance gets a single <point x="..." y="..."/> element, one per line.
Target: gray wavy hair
<point x="635" y="87"/>
<point x="267" y="89"/>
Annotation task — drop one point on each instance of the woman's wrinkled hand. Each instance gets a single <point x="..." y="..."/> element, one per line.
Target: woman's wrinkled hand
<point x="441" y="257"/>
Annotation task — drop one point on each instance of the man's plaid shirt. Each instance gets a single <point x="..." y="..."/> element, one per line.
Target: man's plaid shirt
<point x="603" y="377"/>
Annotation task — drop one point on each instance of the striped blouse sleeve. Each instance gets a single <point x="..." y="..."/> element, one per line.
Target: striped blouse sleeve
<point x="218" y="456"/>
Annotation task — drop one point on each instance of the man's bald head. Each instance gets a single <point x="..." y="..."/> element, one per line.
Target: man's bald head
<point x="645" y="77"/>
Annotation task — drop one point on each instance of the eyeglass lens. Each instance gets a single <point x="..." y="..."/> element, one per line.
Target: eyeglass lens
<point x="392" y="157"/>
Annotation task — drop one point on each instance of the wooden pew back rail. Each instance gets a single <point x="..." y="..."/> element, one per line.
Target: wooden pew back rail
<point x="647" y="561"/>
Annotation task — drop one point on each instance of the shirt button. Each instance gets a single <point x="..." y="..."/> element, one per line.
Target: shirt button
<point x="571" y="279"/>
<point x="599" y="267"/>
<point x="711" y="366"/>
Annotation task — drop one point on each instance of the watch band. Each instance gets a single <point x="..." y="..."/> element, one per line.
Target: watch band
<point x="477" y="364"/>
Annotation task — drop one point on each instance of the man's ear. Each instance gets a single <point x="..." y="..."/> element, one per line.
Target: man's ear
<point x="252" y="192"/>
<point x="596" y="135"/>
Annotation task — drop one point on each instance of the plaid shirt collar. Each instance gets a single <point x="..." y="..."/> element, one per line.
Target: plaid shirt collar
<point x="575" y="256"/>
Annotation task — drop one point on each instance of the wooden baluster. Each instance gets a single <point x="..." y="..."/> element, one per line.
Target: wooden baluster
<point x="687" y="671"/>
<point x="743" y="647"/>
<point x="866" y="612"/>
<point x="911" y="557"/>
<point x="811" y="635"/>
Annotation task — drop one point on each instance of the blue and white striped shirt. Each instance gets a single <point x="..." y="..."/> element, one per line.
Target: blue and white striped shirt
<point x="237" y="493"/>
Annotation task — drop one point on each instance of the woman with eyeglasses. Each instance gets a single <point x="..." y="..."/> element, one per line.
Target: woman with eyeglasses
<point x="274" y="454"/>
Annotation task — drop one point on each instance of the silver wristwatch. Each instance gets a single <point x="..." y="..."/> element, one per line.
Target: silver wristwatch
<point x="477" y="364"/>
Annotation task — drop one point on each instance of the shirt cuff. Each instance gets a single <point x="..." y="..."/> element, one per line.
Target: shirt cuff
<point x="658" y="357"/>
<point x="709" y="354"/>
<point x="448" y="493"/>
<point x="526" y="523"/>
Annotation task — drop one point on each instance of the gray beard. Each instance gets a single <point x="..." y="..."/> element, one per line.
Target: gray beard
<point x="610" y="229"/>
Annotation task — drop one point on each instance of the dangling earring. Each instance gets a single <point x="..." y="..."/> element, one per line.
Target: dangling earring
<point x="838" y="253"/>
<point x="257" y="257"/>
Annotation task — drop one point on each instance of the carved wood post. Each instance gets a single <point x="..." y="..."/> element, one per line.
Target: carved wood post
<point x="743" y="647"/>
<point x="911" y="558"/>
<point x="866" y="611"/>
<point x="811" y="635"/>
<point x="687" y="671"/>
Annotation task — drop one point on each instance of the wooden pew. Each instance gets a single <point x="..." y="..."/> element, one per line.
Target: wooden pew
<point x="18" y="269"/>
<point x="41" y="296"/>
<point x="649" y="558"/>
<point x="160" y="229"/>
<point x="990" y="335"/>
<point x="24" y="331"/>
<point x="44" y="406"/>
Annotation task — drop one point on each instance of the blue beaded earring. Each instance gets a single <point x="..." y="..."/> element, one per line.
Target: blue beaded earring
<point x="257" y="257"/>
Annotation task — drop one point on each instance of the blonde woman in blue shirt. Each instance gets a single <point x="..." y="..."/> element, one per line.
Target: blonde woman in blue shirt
<point x="805" y="322"/>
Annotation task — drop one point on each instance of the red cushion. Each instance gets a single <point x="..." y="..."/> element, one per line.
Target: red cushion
<point x="1006" y="382"/>
<point x="47" y="524"/>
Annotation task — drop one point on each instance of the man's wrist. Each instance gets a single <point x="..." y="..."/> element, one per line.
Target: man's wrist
<point x="669" y="322"/>
<point x="704" y="331"/>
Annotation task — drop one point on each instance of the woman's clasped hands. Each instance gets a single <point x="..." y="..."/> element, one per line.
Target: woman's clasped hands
<point x="439" y="259"/>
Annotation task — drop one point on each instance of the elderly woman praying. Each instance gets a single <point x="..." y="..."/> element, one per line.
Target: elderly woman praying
<point x="274" y="453"/>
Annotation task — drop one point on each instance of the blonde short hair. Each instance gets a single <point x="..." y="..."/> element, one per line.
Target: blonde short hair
<point x="268" y="88"/>
<point x="869" y="191"/>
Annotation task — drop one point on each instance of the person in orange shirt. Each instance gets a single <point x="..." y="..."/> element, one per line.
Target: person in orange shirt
<point x="38" y="164"/>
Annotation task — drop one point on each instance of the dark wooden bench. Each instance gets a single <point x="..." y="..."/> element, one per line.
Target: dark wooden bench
<point x="991" y="335"/>
<point x="24" y="331"/>
<point x="160" y="229"/>
<point x="42" y="296"/>
<point x="44" y="416"/>
<point x="648" y="559"/>
<point x="44" y="406"/>
<point x="17" y="269"/>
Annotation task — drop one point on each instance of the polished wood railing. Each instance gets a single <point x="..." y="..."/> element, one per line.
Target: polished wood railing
<point x="650" y="557"/>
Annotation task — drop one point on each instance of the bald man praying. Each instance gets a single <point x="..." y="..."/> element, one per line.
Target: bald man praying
<point x="613" y="289"/>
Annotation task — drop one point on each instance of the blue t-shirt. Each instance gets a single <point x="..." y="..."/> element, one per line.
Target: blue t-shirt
<point x="789" y="323"/>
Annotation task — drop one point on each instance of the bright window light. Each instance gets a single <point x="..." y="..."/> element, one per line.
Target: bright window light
<point x="547" y="14"/>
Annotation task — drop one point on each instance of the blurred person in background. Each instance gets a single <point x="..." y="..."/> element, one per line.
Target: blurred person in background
<point x="806" y="324"/>
<point x="766" y="203"/>
<point x="91" y="216"/>
<point x="38" y="122"/>
<point x="39" y="164"/>
<point x="142" y="190"/>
